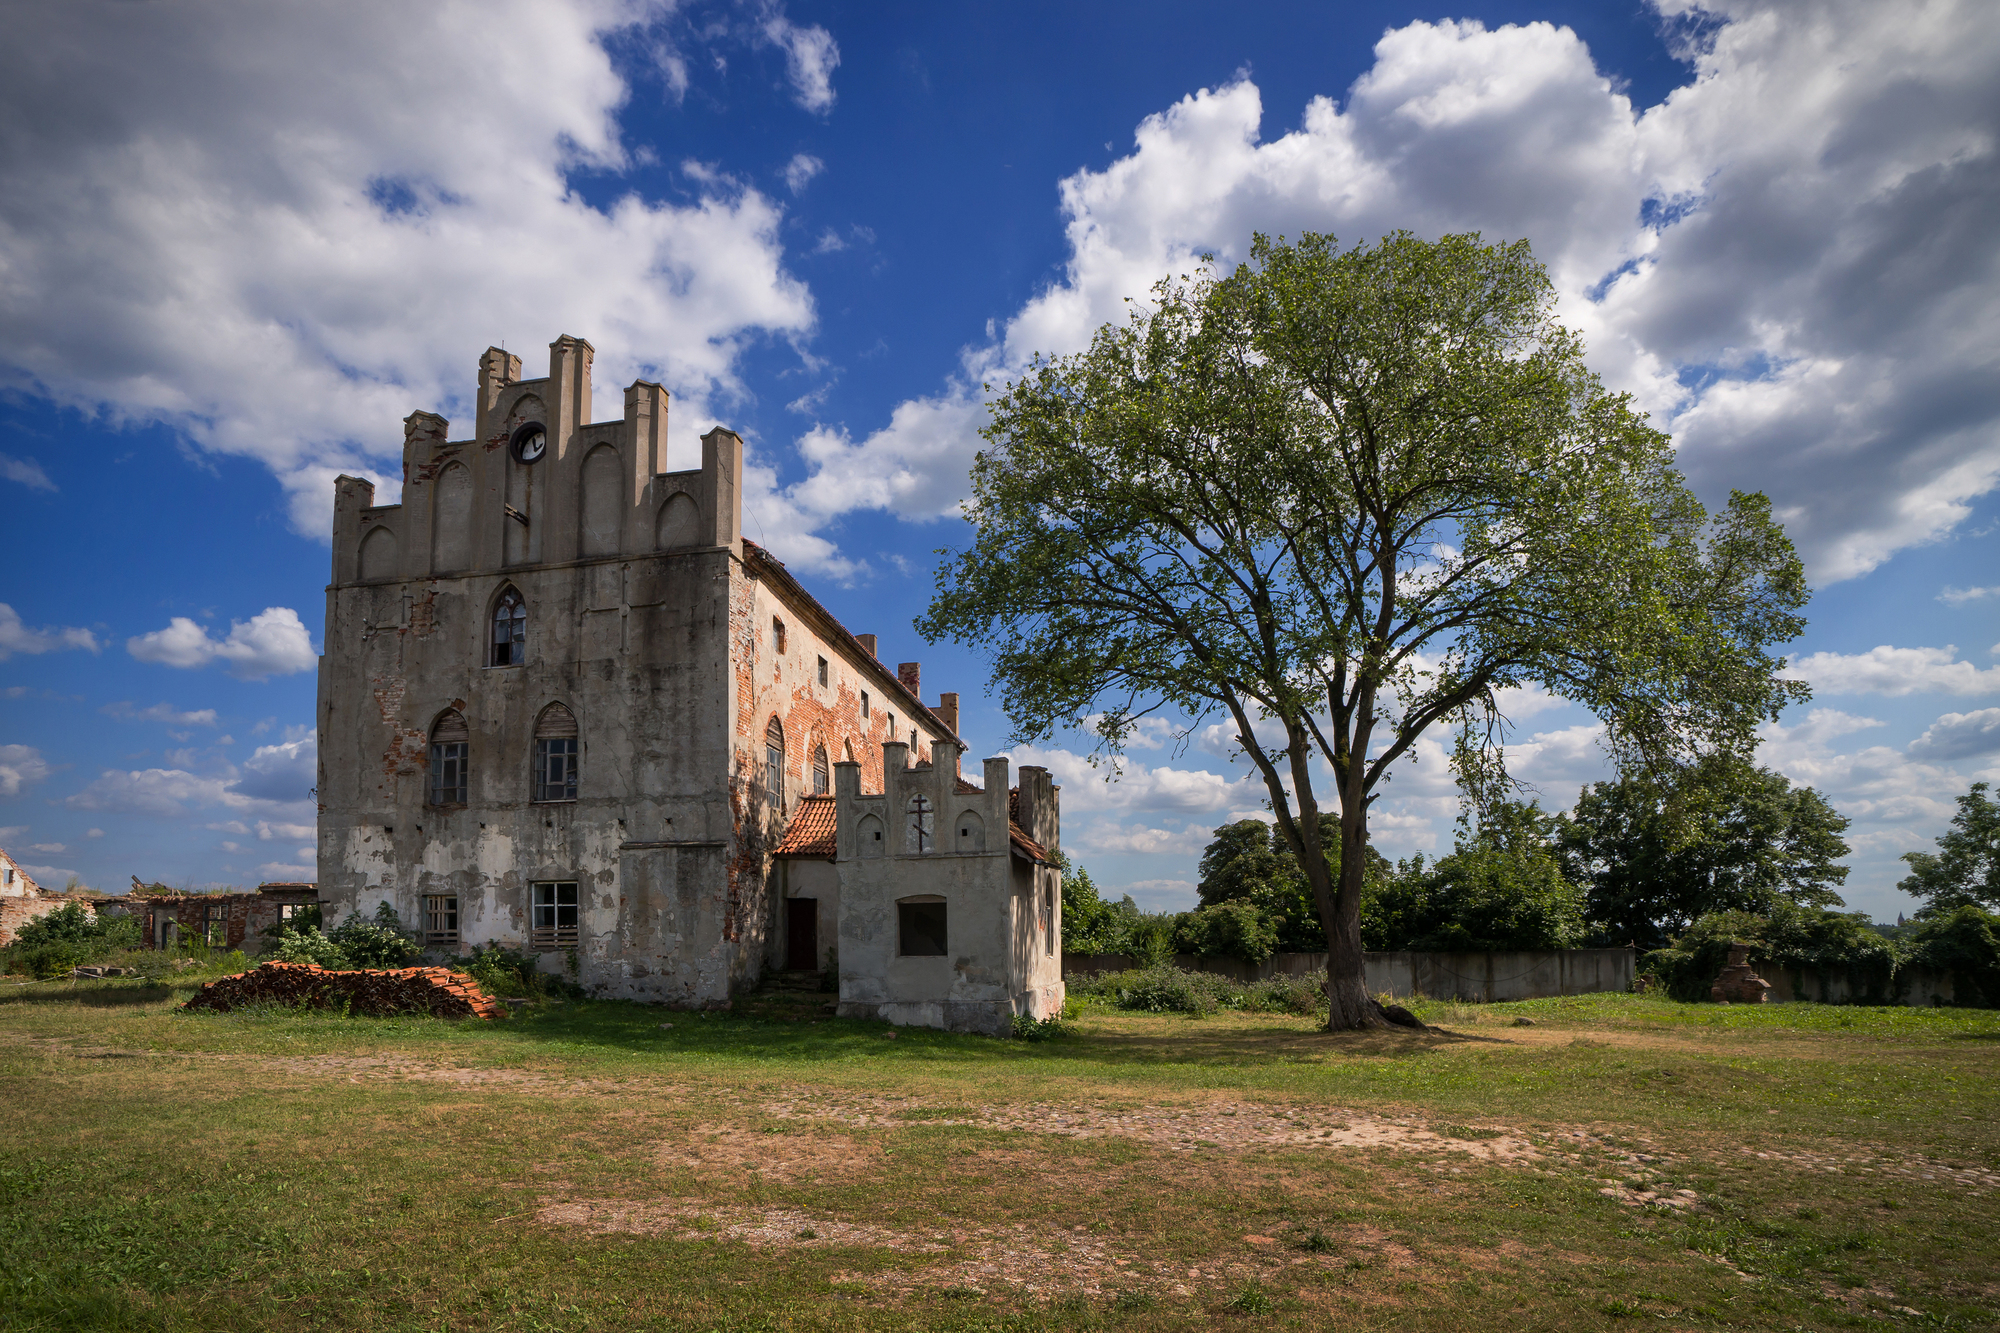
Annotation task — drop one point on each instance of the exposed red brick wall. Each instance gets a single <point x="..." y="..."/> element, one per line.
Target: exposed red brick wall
<point x="18" y="912"/>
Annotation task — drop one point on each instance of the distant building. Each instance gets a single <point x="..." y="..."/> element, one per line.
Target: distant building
<point x="219" y="920"/>
<point x="566" y="707"/>
<point x="22" y="900"/>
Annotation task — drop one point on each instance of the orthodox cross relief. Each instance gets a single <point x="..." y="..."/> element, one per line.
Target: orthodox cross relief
<point x="922" y="830"/>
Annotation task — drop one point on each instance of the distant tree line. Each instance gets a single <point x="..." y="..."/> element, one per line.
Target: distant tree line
<point x="1678" y="867"/>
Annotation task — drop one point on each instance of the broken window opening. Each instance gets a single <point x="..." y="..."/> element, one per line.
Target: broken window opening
<point x="441" y="918"/>
<point x="510" y="631"/>
<point x="822" y="673"/>
<point x="1049" y="917"/>
<point x="556" y="754"/>
<point x="864" y="703"/>
<point x="774" y="763"/>
<point x="450" y="759"/>
<point x="921" y="833"/>
<point x="218" y="926"/>
<point x="920" y="928"/>
<point x="777" y="636"/>
<point x="553" y="921"/>
<point x="822" y="775"/>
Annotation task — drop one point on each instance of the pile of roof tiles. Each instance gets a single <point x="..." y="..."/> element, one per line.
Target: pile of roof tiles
<point x="437" y="991"/>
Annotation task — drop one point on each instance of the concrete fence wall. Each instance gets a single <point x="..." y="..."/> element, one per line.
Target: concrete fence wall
<point x="1527" y="975"/>
<point x="1919" y="986"/>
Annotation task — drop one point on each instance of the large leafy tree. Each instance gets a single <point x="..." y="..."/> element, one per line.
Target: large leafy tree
<point x="1964" y="871"/>
<point x="1343" y="497"/>
<point x="1659" y="850"/>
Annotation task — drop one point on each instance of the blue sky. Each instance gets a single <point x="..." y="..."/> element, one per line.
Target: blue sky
<point x="241" y="242"/>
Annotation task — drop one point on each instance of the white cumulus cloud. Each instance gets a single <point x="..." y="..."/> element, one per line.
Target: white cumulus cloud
<point x="1885" y="669"/>
<point x="1959" y="736"/>
<point x="800" y="171"/>
<point x="274" y="642"/>
<point x="1790" y="261"/>
<point x="1113" y="837"/>
<point x="161" y="712"/>
<point x="811" y="55"/>
<point x="280" y="228"/>
<point x="26" y="471"/>
<point x="21" y="766"/>
<point x="16" y="637"/>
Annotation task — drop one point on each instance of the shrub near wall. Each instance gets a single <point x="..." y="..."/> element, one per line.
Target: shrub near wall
<point x="1790" y="938"/>
<point x="1966" y="943"/>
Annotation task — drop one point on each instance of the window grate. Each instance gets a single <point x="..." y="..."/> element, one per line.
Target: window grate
<point x="553" y="917"/>
<point x="441" y="918"/>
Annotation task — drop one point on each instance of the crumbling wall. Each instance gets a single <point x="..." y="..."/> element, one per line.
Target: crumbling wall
<point x="437" y="991"/>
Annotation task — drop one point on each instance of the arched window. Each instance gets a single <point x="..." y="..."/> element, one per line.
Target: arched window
<point x="774" y="763"/>
<point x="555" y="754"/>
<point x="822" y="775"/>
<point x="451" y="745"/>
<point x="510" y="631"/>
<point x="920" y="833"/>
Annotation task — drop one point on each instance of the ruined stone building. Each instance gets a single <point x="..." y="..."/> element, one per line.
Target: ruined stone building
<point x="566" y="707"/>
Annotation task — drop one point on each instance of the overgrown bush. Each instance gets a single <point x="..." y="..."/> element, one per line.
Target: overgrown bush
<point x="1165" y="989"/>
<point x="1235" y="929"/>
<point x="307" y="945"/>
<point x="1965" y="942"/>
<point x="1788" y="937"/>
<point x="69" y="937"/>
<point x="380" y="943"/>
<point x="503" y="973"/>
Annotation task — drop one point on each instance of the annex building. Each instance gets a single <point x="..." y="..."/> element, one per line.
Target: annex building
<point x="566" y="707"/>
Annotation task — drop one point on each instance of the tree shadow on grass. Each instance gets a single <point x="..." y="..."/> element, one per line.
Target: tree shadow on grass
<point x="124" y="996"/>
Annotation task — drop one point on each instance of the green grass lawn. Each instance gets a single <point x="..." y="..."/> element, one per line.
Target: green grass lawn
<point x="1623" y="1162"/>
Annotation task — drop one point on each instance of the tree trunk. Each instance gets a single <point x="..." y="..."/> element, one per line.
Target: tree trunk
<point x="1349" y="1005"/>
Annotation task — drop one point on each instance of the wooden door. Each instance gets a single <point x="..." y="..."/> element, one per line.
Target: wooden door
<point x="802" y="934"/>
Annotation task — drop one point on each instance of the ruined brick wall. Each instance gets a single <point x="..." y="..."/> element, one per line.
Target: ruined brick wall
<point x="16" y="912"/>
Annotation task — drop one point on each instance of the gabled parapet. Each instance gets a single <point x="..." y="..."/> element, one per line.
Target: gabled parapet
<point x="540" y="483"/>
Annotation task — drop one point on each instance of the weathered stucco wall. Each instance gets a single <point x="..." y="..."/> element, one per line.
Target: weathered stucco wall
<point x="648" y="618"/>
<point x="997" y="962"/>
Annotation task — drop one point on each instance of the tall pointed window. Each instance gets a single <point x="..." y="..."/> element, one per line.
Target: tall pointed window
<point x="555" y="754"/>
<point x="774" y="763"/>
<point x="920" y="835"/>
<point x="510" y="631"/>
<point x="451" y="745"/>
<point x="822" y="774"/>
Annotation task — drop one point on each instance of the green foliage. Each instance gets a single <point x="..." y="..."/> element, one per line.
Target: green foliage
<point x="1718" y="835"/>
<point x="307" y="945"/>
<point x="1965" y="869"/>
<point x="1029" y="1028"/>
<point x="1217" y="508"/>
<point x="381" y="943"/>
<point x="503" y="972"/>
<point x="69" y="937"/>
<point x="1251" y="861"/>
<point x="1502" y="889"/>
<point x="1165" y="989"/>
<point x="1788" y="936"/>
<point x="1091" y="925"/>
<point x="1234" y="929"/>
<point x="1965" y="942"/>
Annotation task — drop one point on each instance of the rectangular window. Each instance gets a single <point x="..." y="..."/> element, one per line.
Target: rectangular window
<point x="822" y="673"/>
<point x="555" y="769"/>
<point x="920" y="929"/>
<point x="441" y="918"/>
<point x="448" y="765"/>
<point x="554" y="923"/>
<point x="864" y="703"/>
<point x="1049" y="912"/>
<point x="892" y="726"/>
<point x="777" y="635"/>
<point x="218" y="926"/>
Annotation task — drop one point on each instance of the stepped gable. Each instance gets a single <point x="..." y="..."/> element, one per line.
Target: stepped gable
<point x="437" y="991"/>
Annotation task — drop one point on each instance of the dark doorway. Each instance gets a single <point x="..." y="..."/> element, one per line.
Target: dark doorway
<point x="802" y="934"/>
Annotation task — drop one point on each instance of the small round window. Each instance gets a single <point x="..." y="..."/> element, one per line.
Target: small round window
<point x="530" y="442"/>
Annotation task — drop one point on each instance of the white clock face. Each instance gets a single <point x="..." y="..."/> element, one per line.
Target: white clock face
<point x="530" y="446"/>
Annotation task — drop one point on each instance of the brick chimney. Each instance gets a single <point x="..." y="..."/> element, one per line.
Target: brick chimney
<point x="909" y="673"/>
<point x="948" y="710"/>
<point x="867" y="641"/>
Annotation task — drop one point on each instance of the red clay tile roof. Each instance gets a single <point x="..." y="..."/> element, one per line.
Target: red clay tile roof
<point x="810" y="834"/>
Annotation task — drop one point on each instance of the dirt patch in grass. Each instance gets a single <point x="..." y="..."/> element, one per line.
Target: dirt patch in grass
<point x="1228" y="1125"/>
<point x="777" y="1156"/>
